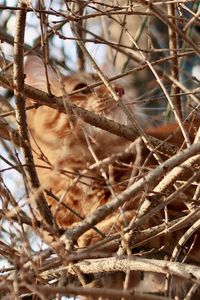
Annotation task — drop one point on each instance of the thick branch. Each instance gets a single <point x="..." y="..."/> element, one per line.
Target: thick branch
<point x="21" y="112"/>
<point x="90" y="117"/>
<point x="102" y="212"/>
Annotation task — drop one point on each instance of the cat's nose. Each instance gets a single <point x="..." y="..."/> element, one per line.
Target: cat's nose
<point x="119" y="91"/>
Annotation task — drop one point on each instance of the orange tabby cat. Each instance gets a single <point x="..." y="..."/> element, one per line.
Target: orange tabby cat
<point x="64" y="148"/>
<point x="61" y="150"/>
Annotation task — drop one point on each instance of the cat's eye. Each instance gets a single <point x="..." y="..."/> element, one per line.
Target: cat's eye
<point x="82" y="85"/>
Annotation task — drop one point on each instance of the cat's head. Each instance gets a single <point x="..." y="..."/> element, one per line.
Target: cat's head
<point x="97" y="99"/>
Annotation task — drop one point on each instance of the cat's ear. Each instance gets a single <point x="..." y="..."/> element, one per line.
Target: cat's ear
<point x="35" y="75"/>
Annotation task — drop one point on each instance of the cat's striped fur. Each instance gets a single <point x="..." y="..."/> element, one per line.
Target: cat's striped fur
<point x="65" y="147"/>
<point x="60" y="148"/>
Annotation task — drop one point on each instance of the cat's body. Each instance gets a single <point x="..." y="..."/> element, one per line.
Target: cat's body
<point x="64" y="148"/>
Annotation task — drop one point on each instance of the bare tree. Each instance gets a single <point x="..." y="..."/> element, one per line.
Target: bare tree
<point x="148" y="251"/>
